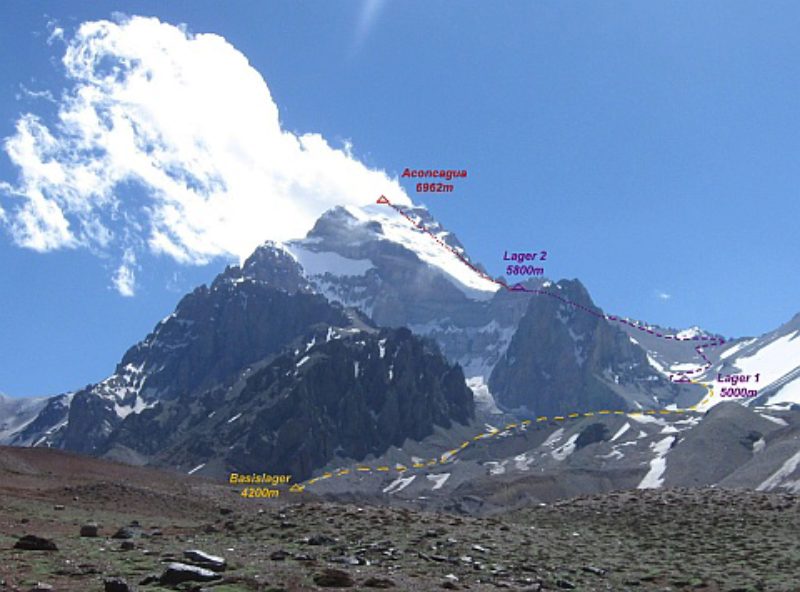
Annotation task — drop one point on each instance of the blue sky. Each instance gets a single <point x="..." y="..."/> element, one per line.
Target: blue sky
<point x="651" y="148"/>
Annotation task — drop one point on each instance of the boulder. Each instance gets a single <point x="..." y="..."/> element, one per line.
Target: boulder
<point x="31" y="542"/>
<point x="177" y="573"/>
<point x="334" y="578"/>
<point x="116" y="585"/>
<point x="90" y="530"/>
<point x="203" y="559"/>
<point x="123" y="533"/>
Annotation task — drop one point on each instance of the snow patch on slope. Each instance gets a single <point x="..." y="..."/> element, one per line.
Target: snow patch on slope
<point x="565" y="449"/>
<point x="655" y="476"/>
<point x="483" y="398"/>
<point x="438" y="480"/>
<point x="320" y="263"/>
<point x="779" y="477"/>
<point x="399" y="484"/>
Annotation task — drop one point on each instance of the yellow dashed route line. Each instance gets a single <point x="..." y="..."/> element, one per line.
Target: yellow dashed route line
<point x="448" y="456"/>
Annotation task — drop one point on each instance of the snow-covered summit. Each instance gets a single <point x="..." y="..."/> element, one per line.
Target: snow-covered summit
<point x="347" y="241"/>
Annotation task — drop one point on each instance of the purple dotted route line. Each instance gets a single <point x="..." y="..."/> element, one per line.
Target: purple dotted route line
<point x="677" y="376"/>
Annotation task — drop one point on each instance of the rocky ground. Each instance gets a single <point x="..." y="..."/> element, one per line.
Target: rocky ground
<point x="137" y="524"/>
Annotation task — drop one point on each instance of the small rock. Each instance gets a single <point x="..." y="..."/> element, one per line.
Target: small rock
<point x="58" y="507"/>
<point x="127" y="546"/>
<point x="346" y="560"/>
<point x="565" y="584"/>
<point x="203" y="559"/>
<point x="90" y="530"/>
<point x="279" y="555"/>
<point x="598" y="571"/>
<point x="116" y="585"/>
<point x="303" y="557"/>
<point x="334" y="578"/>
<point x="41" y="587"/>
<point x="320" y="539"/>
<point x="448" y="585"/>
<point x="31" y="542"/>
<point x="382" y="583"/>
<point x="225" y="511"/>
<point x="177" y="573"/>
<point x="123" y="533"/>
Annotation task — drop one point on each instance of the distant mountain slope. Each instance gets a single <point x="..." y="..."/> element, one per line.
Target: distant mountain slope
<point x="563" y="360"/>
<point x="773" y="359"/>
<point x="518" y="465"/>
<point x="17" y="413"/>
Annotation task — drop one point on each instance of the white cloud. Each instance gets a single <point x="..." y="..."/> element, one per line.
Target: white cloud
<point x="663" y="295"/>
<point x="124" y="280"/>
<point x="35" y="94"/>
<point x="171" y="140"/>
<point x="56" y="32"/>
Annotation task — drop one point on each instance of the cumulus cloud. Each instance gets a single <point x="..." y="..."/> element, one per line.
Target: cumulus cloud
<point x="170" y="141"/>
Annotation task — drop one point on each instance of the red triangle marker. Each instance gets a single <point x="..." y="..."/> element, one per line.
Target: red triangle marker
<point x="382" y="200"/>
<point x="517" y="288"/>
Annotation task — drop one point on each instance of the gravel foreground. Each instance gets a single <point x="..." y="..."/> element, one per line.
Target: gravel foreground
<point x="129" y="533"/>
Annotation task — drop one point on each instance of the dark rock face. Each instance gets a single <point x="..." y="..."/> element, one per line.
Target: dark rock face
<point x="31" y="542"/>
<point x="345" y="393"/>
<point x="563" y="359"/>
<point x="593" y="433"/>
<point x="214" y="333"/>
<point x="350" y="398"/>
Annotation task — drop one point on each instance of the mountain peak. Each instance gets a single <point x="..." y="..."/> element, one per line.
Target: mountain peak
<point x="375" y="233"/>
